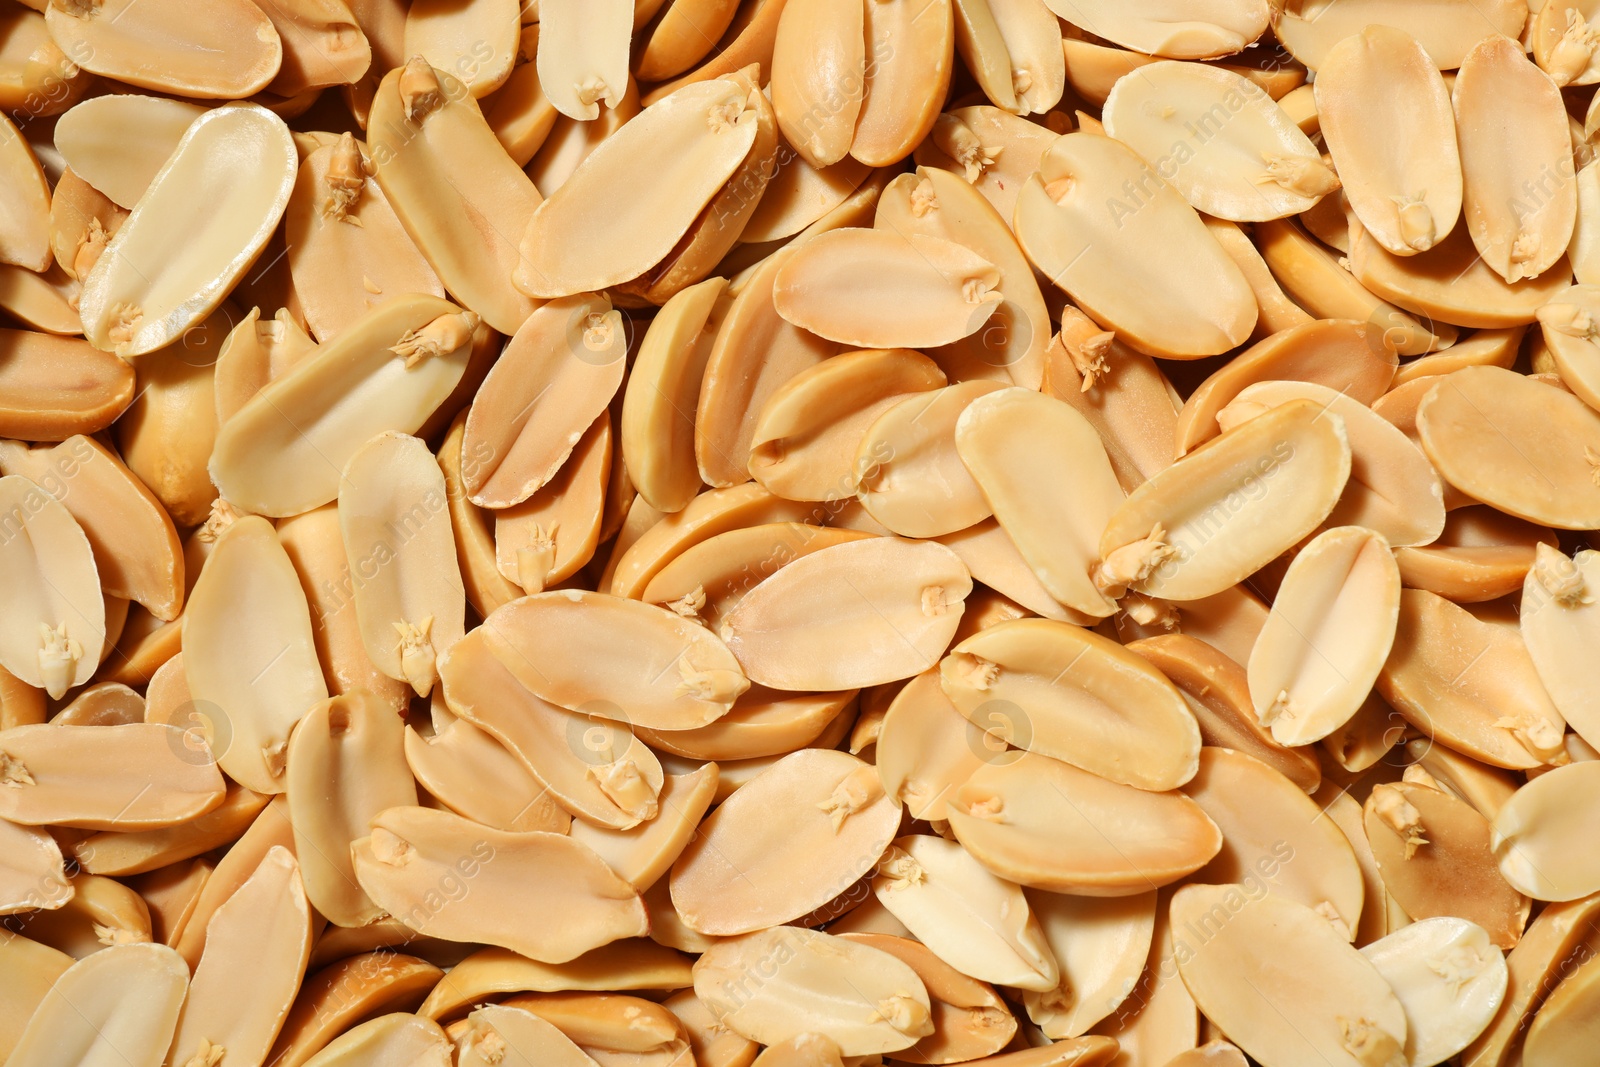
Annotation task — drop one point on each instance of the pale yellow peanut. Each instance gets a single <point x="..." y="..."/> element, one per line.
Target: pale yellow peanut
<point x="708" y="580"/>
<point x="410" y="602"/>
<point x="283" y="452"/>
<point x="1101" y="945"/>
<point x="1009" y="808"/>
<point x="161" y="46"/>
<point x="397" y="1036"/>
<point x="1385" y="466"/>
<point x="473" y="526"/>
<point x="569" y="142"/>
<point x="1547" y="478"/>
<point x="993" y="150"/>
<point x="921" y="488"/>
<point x="253" y="673"/>
<point x="809" y="441"/>
<point x="613" y="220"/>
<point x="1469" y="683"/>
<point x="158" y="276"/>
<point x="799" y="195"/>
<point x="117" y="144"/>
<point x="548" y="537"/>
<point x="642" y="854"/>
<point x="254" y="353"/>
<point x="1401" y="171"/>
<point x="257" y="945"/>
<point x="1346" y="1014"/>
<point x="25" y="218"/>
<point x="880" y="289"/>
<point x="564" y="364"/>
<point x="474" y="775"/>
<point x="1515" y="243"/>
<point x="568" y="900"/>
<point x="1011" y="46"/>
<point x="46" y="302"/>
<point x="882" y="1007"/>
<point x="1011" y="344"/>
<point x="912" y="50"/>
<point x="316" y="548"/>
<point x="345" y="764"/>
<point x="54" y="630"/>
<point x="1532" y="835"/>
<point x="519" y="113"/>
<point x="1224" y="510"/>
<point x="593" y="768"/>
<point x="979" y="924"/>
<point x="32" y="876"/>
<point x="476" y="43"/>
<point x="819" y="76"/>
<point x="424" y="123"/>
<point x="1251" y="165"/>
<point x="1007" y="440"/>
<point x="115" y="1007"/>
<point x="748" y="871"/>
<point x="1180" y="31"/>
<point x="1064" y="692"/>
<point x="994" y="559"/>
<point x="1447" y="31"/>
<point x="1276" y="311"/>
<point x="1088" y="235"/>
<point x="1162" y="1021"/>
<point x="37" y="75"/>
<point x="1564" y="1026"/>
<point x="136" y="548"/>
<point x="583" y="54"/>
<point x="969" y="1018"/>
<point x="498" y="1034"/>
<point x="33" y="969"/>
<point x="853" y="614"/>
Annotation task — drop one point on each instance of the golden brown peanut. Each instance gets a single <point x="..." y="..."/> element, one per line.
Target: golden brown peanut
<point x="25" y="219"/>
<point x="1423" y="838"/>
<point x="54" y="387"/>
<point x="642" y="854"/>
<point x="1351" y="357"/>
<point x="424" y="122"/>
<point x="139" y="851"/>
<point x="1196" y="31"/>
<point x="1547" y="479"/>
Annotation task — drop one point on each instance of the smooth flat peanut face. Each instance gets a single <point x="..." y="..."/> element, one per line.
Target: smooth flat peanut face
<point x="1010" y="807"/>
<point x="1420" y="837"/>
<point x="861" y="998"/>
<point x="748" y="871"/>
<point x="1328" y="635"/>
<point x="1065" y="692"/>
<point x="1091" y="238"/>
<point x="159" y="277"/>
<point x="854" y="614"/>
<point x="1344" y="1012"/>
<point x="127" y="997"/>
<point x="1230" y="149"/>
<point x="55" y="626"/>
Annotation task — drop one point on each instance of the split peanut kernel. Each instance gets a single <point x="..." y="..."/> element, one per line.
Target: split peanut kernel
<point x="807" y="533"/>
